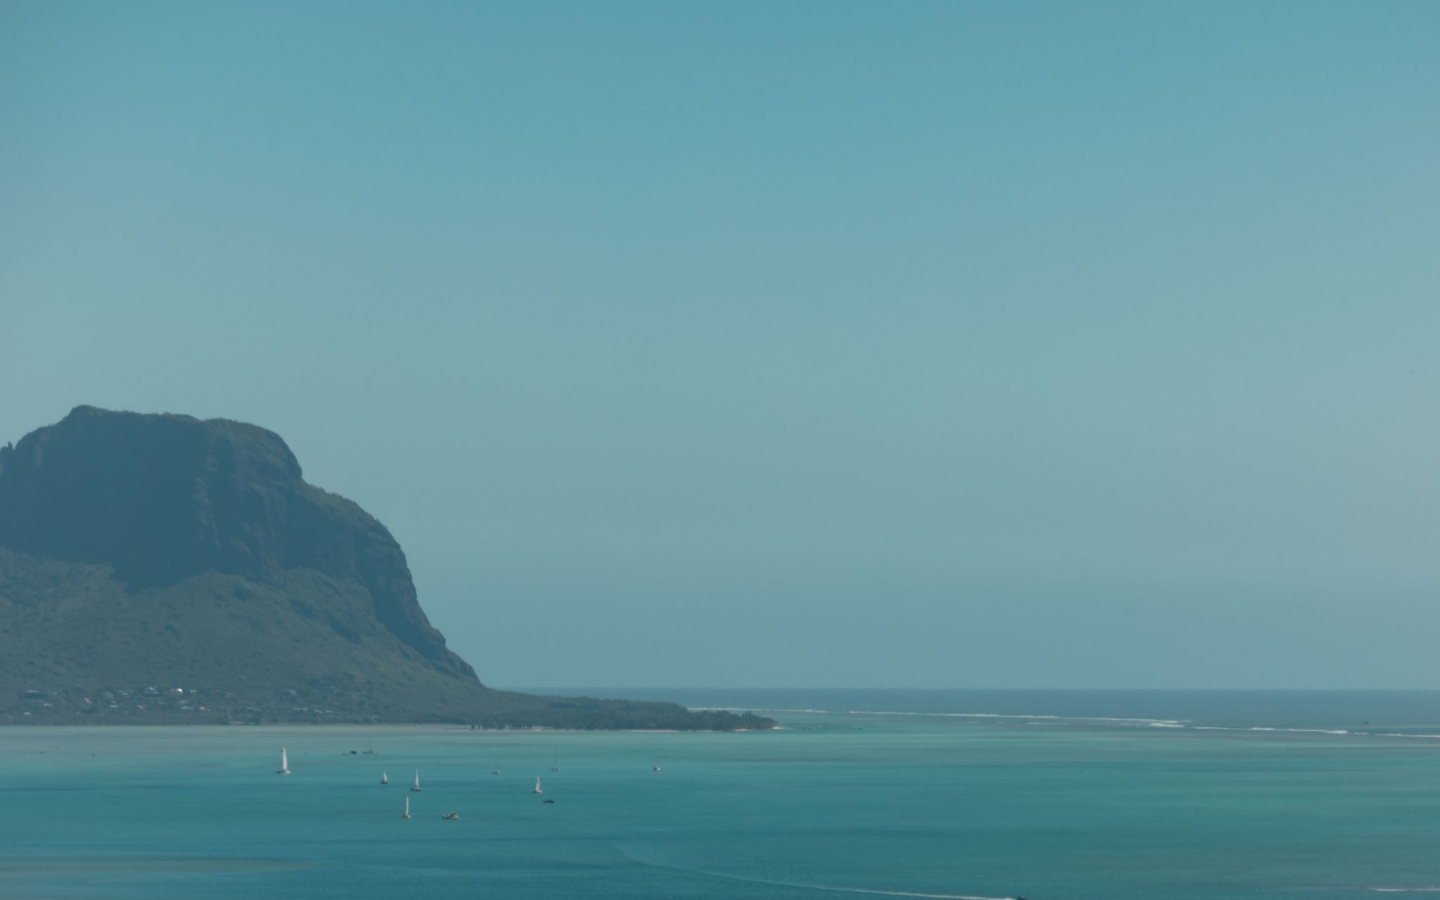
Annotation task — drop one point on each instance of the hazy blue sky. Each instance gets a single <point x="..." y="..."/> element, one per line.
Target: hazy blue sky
<point x="876" y="344"/>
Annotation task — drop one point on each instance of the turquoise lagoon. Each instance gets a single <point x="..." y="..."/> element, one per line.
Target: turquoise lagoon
<point x="934" y="794"/>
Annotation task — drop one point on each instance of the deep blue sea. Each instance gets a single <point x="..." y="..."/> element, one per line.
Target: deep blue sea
<point x="1049" y="794"/>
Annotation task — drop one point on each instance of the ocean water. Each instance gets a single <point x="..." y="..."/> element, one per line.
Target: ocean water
<point x="1110" y="795"/>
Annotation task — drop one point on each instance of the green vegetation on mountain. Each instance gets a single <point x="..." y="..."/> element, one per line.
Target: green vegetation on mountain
<point x="159" y="568"/>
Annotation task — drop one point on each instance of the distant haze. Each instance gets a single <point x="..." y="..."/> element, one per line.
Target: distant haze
<point x="921" y="344"/>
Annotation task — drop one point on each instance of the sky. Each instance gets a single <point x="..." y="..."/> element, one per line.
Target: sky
<point x="954" y="344"/>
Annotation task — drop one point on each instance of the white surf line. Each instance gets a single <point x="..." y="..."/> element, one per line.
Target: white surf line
<point x="1181" y="724"/>
<point x="1122" y="720"/>
<point x="750" y="709"/>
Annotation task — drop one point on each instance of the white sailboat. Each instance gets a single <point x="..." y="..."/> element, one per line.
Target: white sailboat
<point x="537" y="786"/>
<point x="406" y="814"/>
<point x="385" y="778"/>
<point x="284" y="763"/>
<point x="416" y="785"/>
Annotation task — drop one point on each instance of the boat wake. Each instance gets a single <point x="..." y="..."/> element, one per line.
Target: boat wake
<point x="805" y="886"/>
<point x="844" y="890"/>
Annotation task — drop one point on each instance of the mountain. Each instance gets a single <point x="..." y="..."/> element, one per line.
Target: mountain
<point x="164" y="568"/>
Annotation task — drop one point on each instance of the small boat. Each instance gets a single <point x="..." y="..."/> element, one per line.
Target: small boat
<point x="385" y="777"/>
<point x="537" y="786"/>
<point x="555" y="766"/>
<point x="284" y="763"/>
<point x="370" y="748"/>
<point x="416" y="786"/>
<point x="450" y="815"/>
<point x="655" y="768"/>
<point x="406" y="814"/>
<point x="496" y="770"/>
<point x="548" y="800"/>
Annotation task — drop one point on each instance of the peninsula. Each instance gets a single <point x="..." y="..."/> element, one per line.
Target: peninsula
<point x="165" y="569"/>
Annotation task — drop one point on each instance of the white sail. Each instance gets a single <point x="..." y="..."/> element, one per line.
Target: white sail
<point x="407" y="809"/>
<point x="284" y="763"/>
<point x="416" y="785"/>
<point x="537" y="786"/>
<point x="385" y="779"/>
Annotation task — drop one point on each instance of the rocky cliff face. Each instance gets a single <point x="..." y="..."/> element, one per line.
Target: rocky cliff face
<point x="163" y="498"/>
<point x="161" y="569"/>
